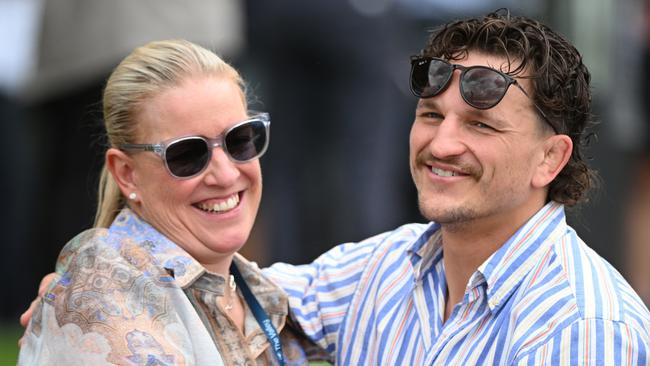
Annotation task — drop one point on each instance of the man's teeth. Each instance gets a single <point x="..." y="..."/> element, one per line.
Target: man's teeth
<point x="226" y="205"/>
<point x="443" y="173"/>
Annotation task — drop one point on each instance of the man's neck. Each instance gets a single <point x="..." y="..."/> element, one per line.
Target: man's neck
<point x="466" y="246"/>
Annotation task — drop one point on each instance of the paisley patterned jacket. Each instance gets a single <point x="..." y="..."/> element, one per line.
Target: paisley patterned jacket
<point x="127" y="295"/>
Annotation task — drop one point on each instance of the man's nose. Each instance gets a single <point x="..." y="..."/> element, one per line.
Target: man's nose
<point x="447" y="139"/>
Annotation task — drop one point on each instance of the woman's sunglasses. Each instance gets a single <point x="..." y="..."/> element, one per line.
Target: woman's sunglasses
<point x="481" y="87"/>
<point x="186" y="157"/>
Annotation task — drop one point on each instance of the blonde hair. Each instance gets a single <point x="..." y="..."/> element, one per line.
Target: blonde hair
<point x="146" y="72"/>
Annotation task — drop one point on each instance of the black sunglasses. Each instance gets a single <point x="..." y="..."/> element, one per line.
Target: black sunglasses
<point x="188" y="156"/>
<point x="481" y="87"/>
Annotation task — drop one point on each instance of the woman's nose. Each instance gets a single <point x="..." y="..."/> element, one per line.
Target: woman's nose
<point x="221" y="170"/>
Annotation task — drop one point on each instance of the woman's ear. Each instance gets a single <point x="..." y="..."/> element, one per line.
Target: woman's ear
<point x="121" y="167"/>
<point x="557" y="152"/>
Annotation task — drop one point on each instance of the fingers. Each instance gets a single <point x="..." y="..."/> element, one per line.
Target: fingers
<point x="27" y="315"/>
<point x="45" y="282"/>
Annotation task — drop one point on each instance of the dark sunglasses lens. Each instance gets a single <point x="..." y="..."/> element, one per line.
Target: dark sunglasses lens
<point x="247" y="141"/>
<point x="429" y="77"/>
<point x="419" y="70"/>
<point x="187" y="157"/>
<point x="438" y="76"/>
<point x="483" y="88"/>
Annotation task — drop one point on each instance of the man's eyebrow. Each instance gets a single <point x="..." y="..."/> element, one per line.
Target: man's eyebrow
<point x="426" y="102"/>
<point x="481" y="113"/>
<point x="474" y="113"/>
<point x="485" y="114"/>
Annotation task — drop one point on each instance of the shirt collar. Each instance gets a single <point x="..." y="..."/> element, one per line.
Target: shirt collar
<point x="506" y="268"/>
<point x="272" y="299"/>
<point x="178" y="263"/>
<point x="426" y="250"/>
<point x="185" y="270"/>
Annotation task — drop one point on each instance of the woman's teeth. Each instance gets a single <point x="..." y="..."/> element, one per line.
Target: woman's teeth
<point x="443" y="173"/>
<point x="222" y="206"/>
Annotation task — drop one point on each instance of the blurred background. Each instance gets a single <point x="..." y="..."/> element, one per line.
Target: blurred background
<point x="334" y="77"/>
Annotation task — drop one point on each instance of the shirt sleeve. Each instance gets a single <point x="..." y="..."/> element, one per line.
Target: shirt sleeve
<point x="320" y="293"/>
<point x="80" y="344"/>
<point x="591" y="342"/>
<point x="104" y="310"/>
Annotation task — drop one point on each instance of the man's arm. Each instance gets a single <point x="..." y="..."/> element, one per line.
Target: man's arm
<point x="320" y="292"/>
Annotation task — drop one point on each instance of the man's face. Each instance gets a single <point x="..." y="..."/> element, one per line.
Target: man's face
<point x="477" y="166"/>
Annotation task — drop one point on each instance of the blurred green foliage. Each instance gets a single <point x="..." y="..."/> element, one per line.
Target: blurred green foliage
<point x="9" y="336"/>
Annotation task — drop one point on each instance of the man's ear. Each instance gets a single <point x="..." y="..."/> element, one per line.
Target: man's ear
<point x="121" y="167"/>
<point x="557" y="152"/>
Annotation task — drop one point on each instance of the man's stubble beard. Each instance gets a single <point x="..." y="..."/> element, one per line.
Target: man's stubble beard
<point x="454" y="219"/>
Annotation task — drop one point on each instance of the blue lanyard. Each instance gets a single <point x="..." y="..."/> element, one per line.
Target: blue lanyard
<point x="260" y="314"/>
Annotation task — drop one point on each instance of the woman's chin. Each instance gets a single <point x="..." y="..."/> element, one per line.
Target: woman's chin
<point x="225" y="244"/>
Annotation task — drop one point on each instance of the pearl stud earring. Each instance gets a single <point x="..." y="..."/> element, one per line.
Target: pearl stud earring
<point x="133" y="196"/>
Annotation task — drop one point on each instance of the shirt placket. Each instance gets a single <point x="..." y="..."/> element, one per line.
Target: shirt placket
<point x="461" y="322"/>
<point x="429" y="312"/>
<point x="230" y="341"/>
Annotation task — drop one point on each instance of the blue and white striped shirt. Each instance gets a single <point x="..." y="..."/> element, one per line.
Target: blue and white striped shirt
<point x="543" y="298"/>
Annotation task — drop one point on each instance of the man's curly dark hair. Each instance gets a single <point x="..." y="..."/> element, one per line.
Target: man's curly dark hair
<point x="559" y="78"/>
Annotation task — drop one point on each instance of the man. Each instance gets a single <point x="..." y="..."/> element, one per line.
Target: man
<point x="497" y="277"/>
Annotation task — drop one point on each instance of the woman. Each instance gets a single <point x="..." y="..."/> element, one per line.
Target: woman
<point x="158" y="280"/>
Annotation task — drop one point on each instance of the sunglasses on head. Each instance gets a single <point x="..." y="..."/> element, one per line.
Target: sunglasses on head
<point x="481" y="87"/>
<point x="186" y="157"/>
